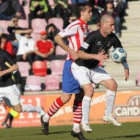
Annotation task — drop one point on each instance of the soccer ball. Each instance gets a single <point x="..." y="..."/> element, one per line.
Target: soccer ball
<point x="119" y="55"/>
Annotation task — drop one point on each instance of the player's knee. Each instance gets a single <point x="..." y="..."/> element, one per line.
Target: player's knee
<point x="89" y="92"/>
<point x="112" y="85"/>
<point x="65" y="97"/>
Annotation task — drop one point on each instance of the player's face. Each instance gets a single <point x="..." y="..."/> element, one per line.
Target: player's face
<point x="87" y="14"/>
<point x="109" y="26"/>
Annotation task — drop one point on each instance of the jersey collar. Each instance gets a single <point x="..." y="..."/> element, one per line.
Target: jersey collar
<point x="82" y="21"/>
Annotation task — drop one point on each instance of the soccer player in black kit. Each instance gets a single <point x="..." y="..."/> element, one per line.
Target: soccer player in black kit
<point x="86" y="69"/>
<point x="8" y="88"/>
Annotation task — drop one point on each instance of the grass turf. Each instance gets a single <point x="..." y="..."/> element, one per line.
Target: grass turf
<point x="128" y="131"/>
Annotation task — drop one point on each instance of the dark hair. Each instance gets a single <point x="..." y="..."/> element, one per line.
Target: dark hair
<point x="81" y="7"/>
<point x="50" y="25"/>
<point x="4" y="36"/>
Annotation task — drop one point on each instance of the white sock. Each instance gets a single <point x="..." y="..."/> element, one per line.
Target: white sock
<point x="31" y="108"/>
<point x="40" y="110"/>
<point x="46" y="117"/>
<point x="28" y="108"/>
<point x="86" y="109"/>
<point x="110" y="99"/>
<point x="76" y="127"/>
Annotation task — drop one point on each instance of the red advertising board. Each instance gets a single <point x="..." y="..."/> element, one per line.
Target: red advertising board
<point x="126" y="109"/>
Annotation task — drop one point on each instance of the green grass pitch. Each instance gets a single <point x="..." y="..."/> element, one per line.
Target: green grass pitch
<point x="128" y="131"/>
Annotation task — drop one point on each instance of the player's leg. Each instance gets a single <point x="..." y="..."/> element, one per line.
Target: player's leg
<point x="103" y="78"/>
<point x="4" y="124"/>
<point x="77" y="113"/>
<point x="13" y="95"/>
<point x="88" y="90"/>
<point x="111" y="86"/>
<point x="31" y="108"/>
<point x="55" y="106"/>
<point x="81" y="74"/>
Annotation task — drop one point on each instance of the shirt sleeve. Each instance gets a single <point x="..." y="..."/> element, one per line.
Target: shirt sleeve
<point x="116" y="42"/>
<point x="69" y="31"/>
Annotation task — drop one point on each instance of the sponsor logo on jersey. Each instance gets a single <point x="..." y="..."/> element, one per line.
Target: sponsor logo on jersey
<point x="98" y="43"/>
<point x="85" y="45"/>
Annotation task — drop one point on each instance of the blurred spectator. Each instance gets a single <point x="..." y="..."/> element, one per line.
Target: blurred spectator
<point x="120" y="6"/>
<point x="111" y="11"/>
<point x="9" y="9"/>
<point x="39" y="9"/>
<point x="52" y="31"/>
<point x="6" y="45"/>
<point x="26" y="48"/>
<point x="78" y="1"/>
<point x="98" y="8"/>
<point x="62" y="10"/>
<point x="44" y="48"/>
<point x="16" y="32"/>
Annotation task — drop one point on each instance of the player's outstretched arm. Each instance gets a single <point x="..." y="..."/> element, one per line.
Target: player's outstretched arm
<point x="101" y="56"/>
<point x="126" y="70"/>
<point x="9" y="70"/>
<point x="61" y="43"/>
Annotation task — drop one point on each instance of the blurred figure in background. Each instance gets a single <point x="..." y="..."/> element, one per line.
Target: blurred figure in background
<point x="44" y="48"/>
<point x="16" y="32"/>
<point x="26" y="48"/>
<point x="39" y="9"/>
<point x="6" y="45"/>
<point x="9" y="9"/>
<point x="115" y="14"/>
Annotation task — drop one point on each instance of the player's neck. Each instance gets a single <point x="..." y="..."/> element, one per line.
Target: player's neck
<point x="103" y="33"/>
<point x="83" y="20"/>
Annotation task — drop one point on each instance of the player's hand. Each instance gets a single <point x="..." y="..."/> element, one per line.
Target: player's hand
<point x="126" y="74"/>
<point x="101" y="56"/>
<point x="73" y="54"/>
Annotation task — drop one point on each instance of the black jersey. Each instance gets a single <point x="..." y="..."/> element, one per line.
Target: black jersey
<point x="95" y="43"/>
<point x="6" y="60"/>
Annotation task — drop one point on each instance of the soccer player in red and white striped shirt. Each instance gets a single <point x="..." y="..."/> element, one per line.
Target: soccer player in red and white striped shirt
<point x="76" y="33"/>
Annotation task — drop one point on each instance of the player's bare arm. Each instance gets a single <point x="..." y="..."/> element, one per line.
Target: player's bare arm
<point x="59" y="41"/>
<point x="11" y="69"/>
<point x="126" y="74"/>
<point x="126" y="70"/>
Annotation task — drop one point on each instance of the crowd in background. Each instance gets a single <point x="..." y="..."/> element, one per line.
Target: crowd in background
<point x="20" y="43"/>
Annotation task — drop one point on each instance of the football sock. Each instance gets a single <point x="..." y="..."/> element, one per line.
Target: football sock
<point x="77" y="112"/>
<point x="53" y="109"/>
<point x="86" y="109"/>
<point x="110" y="99"/>
<point x="31" y="108"/>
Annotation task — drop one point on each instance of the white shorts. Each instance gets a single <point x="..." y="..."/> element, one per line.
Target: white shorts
<point x="12" y="93"/>
<point x="85" y="76"/>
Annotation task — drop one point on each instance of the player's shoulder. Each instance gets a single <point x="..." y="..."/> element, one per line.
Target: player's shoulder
<point x="74" y="23"/>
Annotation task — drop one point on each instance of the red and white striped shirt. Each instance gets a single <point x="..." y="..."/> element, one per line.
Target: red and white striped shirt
<point x="76" y="33"/>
